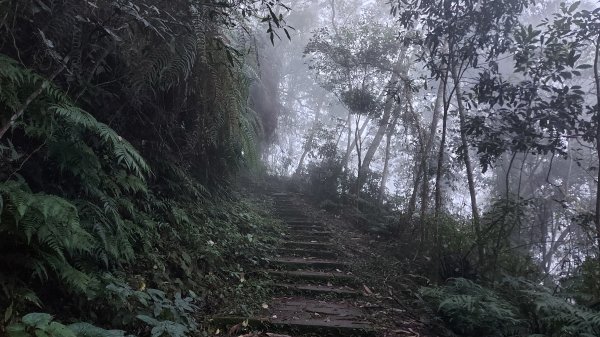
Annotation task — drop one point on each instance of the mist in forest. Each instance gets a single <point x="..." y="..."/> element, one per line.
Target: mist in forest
<point x="369" y="108"/>
<point x="251" y="168"/>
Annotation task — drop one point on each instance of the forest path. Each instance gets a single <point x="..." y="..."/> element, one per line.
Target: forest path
<point x="315" y="293"/>
<point x="317" y="290"/>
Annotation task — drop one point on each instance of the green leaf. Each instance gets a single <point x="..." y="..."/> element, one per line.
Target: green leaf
<point x="17" y="330"/>
<point x="574" y="6"/>
<point x="9" y="311"/>
<point x="40" y="333"/>
<point x="37" y="320"/>
<point x="83" y="329"/>
<point x="59" y="330"/>
<point x="148" y="319"/>
<point x="566" y="74"/>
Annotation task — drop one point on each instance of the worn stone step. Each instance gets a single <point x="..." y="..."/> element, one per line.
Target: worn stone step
<point x="302" y="316"/>
<point x="288" y="216"/>
<point x="330" y="318"/>
<point x="317" y="291"/>
<point x="309" y="231"/>
<point x="285" y="202"/>
<point x="325" y="254"/>
<point x="296" y="229"/>
<point x="307" y="238"/>
<point x="280" y="194"/>
<point x="321" y="277"/>
<point x="295" y="327"/>
<point x="308" y="245"/>
<point x="307" y="263"/>
<point x="304" y="222"/>
<point x="288" y="209"/>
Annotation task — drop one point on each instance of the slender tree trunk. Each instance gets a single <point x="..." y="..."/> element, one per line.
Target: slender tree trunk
<point x="358" y="143"/>
<point x="440" y="163"/>
<point x="597" y="82"/>
<point x="425" y="159"/>
<point x="333" y="24"/>
<point x="384" y="175"/>
<point x="385" y="119"/>
<point x="351" y="141"/>
<point x="467" y="161"/>
<point x="399" y="71"/>
<point x="311" y="137"/>
<point x="412" y="203"/>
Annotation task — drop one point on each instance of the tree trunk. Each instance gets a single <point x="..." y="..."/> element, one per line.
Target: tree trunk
<point x="384" y="175"/>
<point x="427" y="152"/>
<point x="398" y="72"/>
<point x="351" y="141"/>
<point x="311" y="137"/>
<point x="358" y="143"/>
<point x="597" y="82"/>
<point x="412" y="203"/>
<point x="440" y="163"/>
<point x="467" y="161"/>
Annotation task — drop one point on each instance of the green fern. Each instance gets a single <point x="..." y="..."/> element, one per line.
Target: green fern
<point x="515" y="308"/>
<point x="473" y="310"/>
<point x="41" y="234"/>
<point x="42" y="324"/>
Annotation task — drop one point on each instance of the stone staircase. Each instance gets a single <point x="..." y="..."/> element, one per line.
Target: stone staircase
<point x="315" y="293"/>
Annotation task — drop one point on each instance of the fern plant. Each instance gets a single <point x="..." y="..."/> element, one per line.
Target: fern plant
<point x="44" y="234"/>
<point x="473" y="310"/>
<point x="515" y="307"/>
<point x="550" y="314"/>
<point x="43" y="325"/>
<point x="41" y="235"/>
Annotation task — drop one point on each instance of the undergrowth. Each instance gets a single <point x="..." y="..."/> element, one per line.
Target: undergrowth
<point x="123" y="127"/>
<point x="512" y="307"/>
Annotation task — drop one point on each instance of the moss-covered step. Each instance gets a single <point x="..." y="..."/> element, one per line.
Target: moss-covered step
<point x="303" y="237"/>
<point x="298" y="223"/>
<point x="324" y="254"/>
<point x="303" y="316"/>
<point x="304" y="263"/>
<point x="321" y="277"/>
<point x="308" y="245"/>
<point x="316" y="290"/>
<point x="308" y="231"/>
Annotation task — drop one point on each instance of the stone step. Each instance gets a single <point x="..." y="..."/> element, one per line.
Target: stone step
<point x="309" y="231"/>
<point x="295" y="327"/>
<point x="304" y="222"/>
<point x="311" y="316"/>
<point x="288" y="216"/>
<point x="307" y="238"/>
<point x="308" y="245"/>
<point x="317" y="291"/>
<point x="287" y="209"/>
<point x="285" y="204"/>
<point x="314" y="276"/>
<point x="307" y="263"/>
<point x="324" y="254"/>
<point x="280" y="194"/>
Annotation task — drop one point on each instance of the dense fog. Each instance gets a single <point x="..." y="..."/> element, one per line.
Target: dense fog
<point x="364" y="105"/>
<point x="252" y="168"/>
